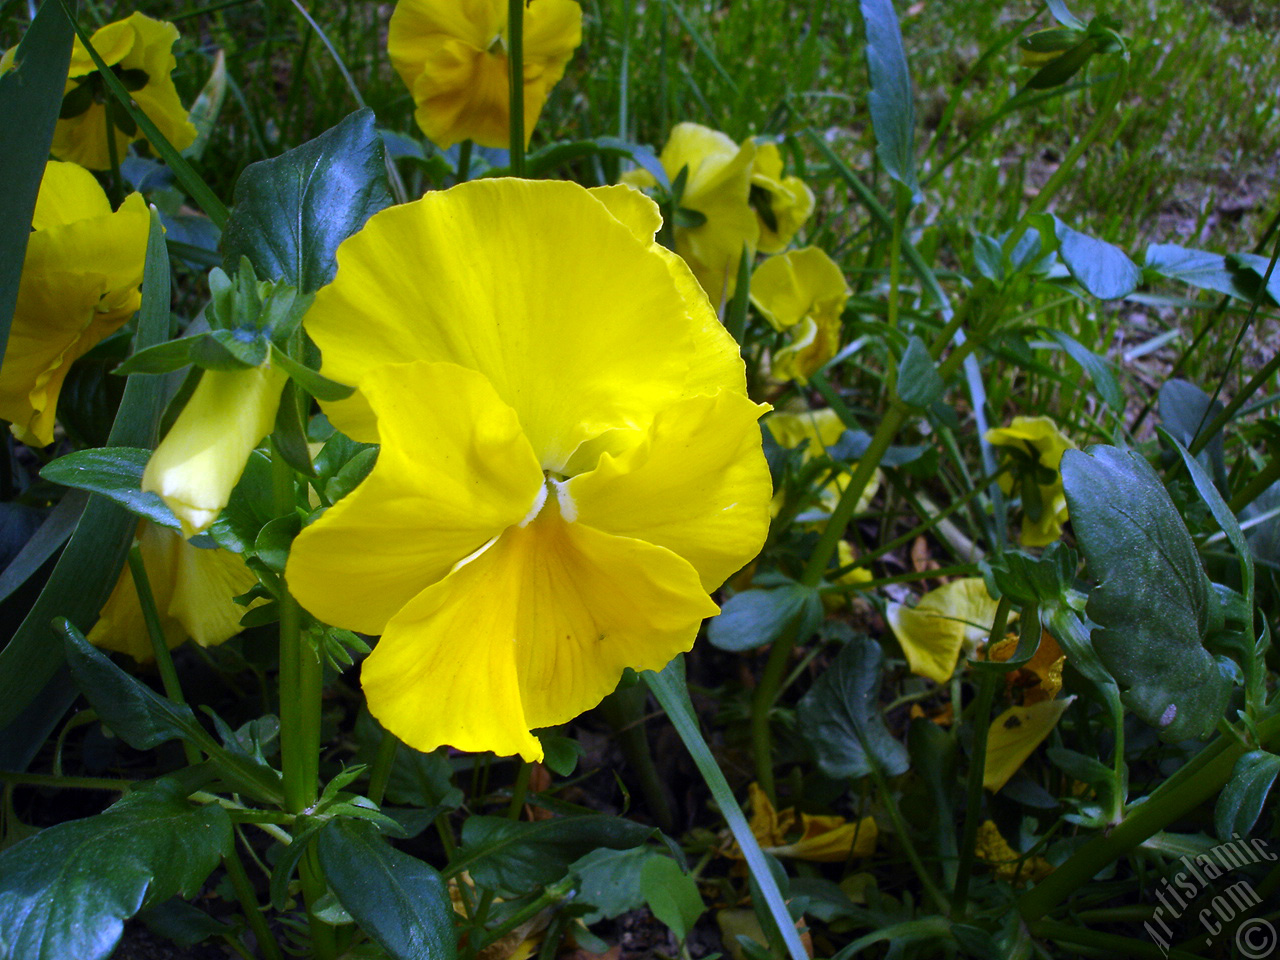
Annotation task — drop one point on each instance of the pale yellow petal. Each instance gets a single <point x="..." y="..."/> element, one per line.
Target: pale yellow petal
<point x="954" y="617"/>
<point x="1014" y="735"/>
<point x="205" y="583"/>
<point x="120" y="625"/>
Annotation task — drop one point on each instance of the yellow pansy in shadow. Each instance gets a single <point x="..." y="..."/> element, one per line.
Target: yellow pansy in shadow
<point x="1006" y="862"/>
<point x="717" y="188"/>
<point x="955" y="617"/>
<point x="452" y="55"/>
<point x="783" y="204"/>
<point x="1035" y="446"/>
<point x="822" y="429"/>
<point x="1016" y="733"/>
<point x="193" y="590"/>
<point x="196" y="466"/>
<point x="568" y="464"/>
<point x="79" y="284"/>
<point x="803" y="293"/>
<point x="802" y="836"/>
<point x="139" y="52"/>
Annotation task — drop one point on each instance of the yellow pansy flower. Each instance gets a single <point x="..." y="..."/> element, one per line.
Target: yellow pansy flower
<point x="193" y="590"/>
<point x="783" y="204"/>
<point x="956" y="616"/>
<point x="1007" y="863"/>
<point x="452" y="55"/>
<point x="196" y="466"/>
<point x="803" y="836"/>
<point x="822" y="428"/>
<point x="79" y="284"/>
<point x="139" y="52"/>
<point x="1037" y="446"/>
<point x="717" y="188"/>
<point x="568" y="464"/>
<point x="802" y="292"/>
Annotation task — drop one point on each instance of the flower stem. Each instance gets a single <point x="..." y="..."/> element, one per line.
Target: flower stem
<point x="464" y="162"/>
<point x="762" y="701"/>
<point x="116" y="190"/>
<point x="301" y="676"/>
<point x="249" y="905"/>
<point x="515" y="73"/>
<point x="519" y="791"/>
<point x="987" y="683"/>
<point x="383" y="761"/>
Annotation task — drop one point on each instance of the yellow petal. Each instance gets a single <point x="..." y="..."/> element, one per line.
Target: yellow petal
<point x="789" y="199"/>
<point x="632" y="208"/>
<point x="79" y="284"/>
<point x="579" y="306"/>
<point x="802" y="283"/>
<point x="822" y="428"/>
<point x="1038" y="434"/>
<point x="120" y="625"/>
<point x="764" y="818"/>
<point x="1014" y="735"/>
<point x="529" y="633"/>
<point x="812" y="344"/>
<point x="200" y="459"/>
<point x="955" y="616"/>
<point x="697" y="486"/>
<point x="452" y="57"/>
<point x="830" y="839"/>
<point x="453" y="472"/>
<point x="205" y="582"/>
<point x="1009" y="864"/>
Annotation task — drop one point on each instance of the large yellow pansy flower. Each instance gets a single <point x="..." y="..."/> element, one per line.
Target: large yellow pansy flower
<point x="568" y="463"/>
<point x="452" y="55"/>
<point x="193" y="590"/>
<point x="139" y="51"/>
<point x="79" y="284"/>
<point x="802" y="292"/>
<point x="717" y="186"/>
<point x="1040" y="446"/>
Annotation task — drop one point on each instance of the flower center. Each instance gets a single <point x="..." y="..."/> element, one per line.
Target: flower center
<point x="552" y="491"/>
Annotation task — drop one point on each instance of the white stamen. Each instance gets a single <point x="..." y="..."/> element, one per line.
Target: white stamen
<point x="534" y="510"/>
<point x="568" y="509"/>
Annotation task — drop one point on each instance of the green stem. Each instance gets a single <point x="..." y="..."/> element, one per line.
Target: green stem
<point x="164" y="661"/>
<point x="1198" y="780"/>
<point x="464" y="162"/>
<point x="901" y="828"/>
<point x="515" y="74"/>
<point x="1256" y="487"/>
<point x="116" y="189"/>
<point x="301" y="675"/>
<point x="1106" y="942"/>
<point x="1214" y="426"/>
<point x="762" y="701"/>
<point x="624" y="710"/>
<point x="383" y="761"/>
<point x="65" y="783"/>
<point x="552" y="894"/>
<point x="249" y="905"/>
<point x="988" y="680"/>
<point x="519" y="790"/>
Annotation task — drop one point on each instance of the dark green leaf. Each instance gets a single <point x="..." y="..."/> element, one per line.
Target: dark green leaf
<point x="423" y="780"/>
<point x="1152" y="599"/>
<point x="114" y="473"/>
<point x="397" y="899"/>
<point x="87" y="570"/>
<point x="292" y="212"/>
<point x="1242" y="799"/>
<point x="515" y="856"/>
<point x="351" y="474"/>
<point x="1098" y="369"/>
<point x="919" y="383"/>
<point x="988" y="257"/>
<point x="322" y="388"/>
<point x="182" y="923"/>
<point x="1186" y="410"/>
<point x="42" y="544"/>
<point x="609" y="880"/>
<point x="560" y="754"/>
<point x="1100" y="267"/>
<point x="30" y="98"/>
<point x="755" y="617"/>
<point x="1250" y="269"/>
<point x="687" y="218"/>
<point x="162" y="358"/>
<point x="68" y="890"/>
<point x="275" y="538"/>
<point x="840" y="716"/>
<point x="1062" y="68"/>
<point x="1200" y="268"/>
<point x="672" y="895"/>
<point x="249" y="509"/>
<point x="290" y="433"/>
<point x="893" y="114"/>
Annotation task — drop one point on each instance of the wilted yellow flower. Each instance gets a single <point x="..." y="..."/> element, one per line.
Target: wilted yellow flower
<point x="202" y="456"/>
<point x="1036" y="445"/>
<point x="783" y="204"/>
<point x="452" y="55"/>
<point x="822" y="428"/>
<point x="568" y="464"/>
<point x="79" y="284"/>
<point x="1020" y="729"/>
<point x="193" y="590"/>
<point x="139" y="52"/>
<point x="802" y="292"/>
<point x="823" y="839"/>
<point x="717" y="188"/>
<point x="1007" y="862"/>
<point x="956" y="616"/>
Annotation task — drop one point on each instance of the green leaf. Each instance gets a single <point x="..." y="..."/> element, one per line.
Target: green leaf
<point x="291" y="212"/>
<point x="275" y="538"/>
<point x="1062" y="68"/>
<point x="162" y="358"/>
<point x="672" y="895"/>
<point x="320" y="387"/>
<point x="114" y="473"/>
<point x="423" y="780"/>
<point x="1242" y="799"/>
<point x="1186" y="410"/>
<point x="1152" y="599"/>
<point x="1100" y="267"/>
<point x="30" y="98"/>
<point x="42" y="544"/>
<point x="395" y="898"/>
<point x="840" y="716"/>
<point x="560" y="754"/>
<point x="249" y="509"/>
<point x="1098" y="369"/>
<point x="1064" y="16"/>
<point x="609" y="880"/>
<point x="206" y="107"/>
<point x="87" y="570"/>
<point x="290" y="433"/>
<point x="893" y="114"/>
<point x="919" y="384"/>
<point x="755" y="617"/>
<point x="69" y="889"/>
<point x="515" y="856"/>
<point x="1200" y="268"/>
